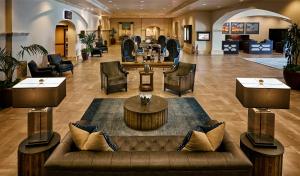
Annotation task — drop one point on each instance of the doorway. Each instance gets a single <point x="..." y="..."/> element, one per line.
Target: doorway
<point x="61" y="40"/>
<point x="65" y="39"/>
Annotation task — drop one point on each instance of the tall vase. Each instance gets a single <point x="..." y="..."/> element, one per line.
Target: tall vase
<point x="146" y="68"/>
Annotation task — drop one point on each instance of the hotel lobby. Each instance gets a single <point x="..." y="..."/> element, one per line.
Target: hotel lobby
<point x="140" y="87"/>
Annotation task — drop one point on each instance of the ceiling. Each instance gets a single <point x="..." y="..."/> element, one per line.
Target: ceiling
<point x="151" y="8"/>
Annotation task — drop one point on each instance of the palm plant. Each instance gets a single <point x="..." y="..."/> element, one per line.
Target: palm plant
<point x="31" y="50"/>
<point x="87" y="40"/>
<point x="292" y="48"/>
<point x="8" y="65"/>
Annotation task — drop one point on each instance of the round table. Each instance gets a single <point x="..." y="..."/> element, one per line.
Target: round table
<point x="31" y="159"/>
<point x="145" y="117"/>
<point x="266" y="161"/>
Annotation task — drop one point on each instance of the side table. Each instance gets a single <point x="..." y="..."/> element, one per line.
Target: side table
<point x="146" y="86"/>
<point x="31" y="160"/>
<point x="266" y="161"/>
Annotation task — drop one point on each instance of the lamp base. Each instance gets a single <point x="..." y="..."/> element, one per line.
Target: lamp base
<point x="39" y="126"/>
<point x="39" y="139"/>
<point x="261" y="140"/>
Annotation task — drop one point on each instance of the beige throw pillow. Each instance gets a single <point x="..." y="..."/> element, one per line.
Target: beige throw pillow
<point x="88" y="141"/>
<point x="198" y="142"/>
<point x="210" y="141"/>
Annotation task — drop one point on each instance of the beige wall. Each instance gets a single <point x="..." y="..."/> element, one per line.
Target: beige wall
<point x="140" y="25"/>
<point x="265" y="23"/>
<point x="39" y="19"/>
<point x="2" y="23"/>
<point x="200" y="21"/>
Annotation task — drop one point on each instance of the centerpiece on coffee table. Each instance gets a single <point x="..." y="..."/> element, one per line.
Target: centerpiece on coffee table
<point x="145" y="112"/>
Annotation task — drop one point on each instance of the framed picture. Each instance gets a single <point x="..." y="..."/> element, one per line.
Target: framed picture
<point x="237" y="28"/>
<point x="226" y="28"/>
<point x="187" y="29"/>
<point x="203" y="36"/>
<point x="252" y="28"/>
<point x="68" y="15"/>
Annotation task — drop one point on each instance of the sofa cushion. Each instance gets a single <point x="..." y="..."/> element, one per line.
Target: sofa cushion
<point x="85" y="140"/>
<point x="204" y="138"/>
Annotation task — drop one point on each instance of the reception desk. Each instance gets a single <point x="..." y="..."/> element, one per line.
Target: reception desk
<point x="230" y="47"/>
<point x="253" y="47"/>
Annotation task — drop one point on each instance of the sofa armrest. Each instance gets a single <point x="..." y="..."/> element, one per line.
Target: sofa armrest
<point x="67" y="62"/>
<point x="59" y="156"/>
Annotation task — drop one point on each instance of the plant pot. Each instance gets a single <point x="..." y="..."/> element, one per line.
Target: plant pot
<point x="85" y="56"/>
<point x="112" y="41"/>
<point x="6" y="97"/>
<point x="22" y="70"/>
<point x="292" y="79"/>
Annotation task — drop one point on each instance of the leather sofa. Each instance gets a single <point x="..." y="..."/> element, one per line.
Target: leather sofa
<point x="148" y="156"/>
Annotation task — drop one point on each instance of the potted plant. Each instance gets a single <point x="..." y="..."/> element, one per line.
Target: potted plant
<point x="8" y="64"/>
<point x="112" y="36"/>
<point x="87" y="40"/>
<point x="31" y="50"/>
<point x="291" y="71"/>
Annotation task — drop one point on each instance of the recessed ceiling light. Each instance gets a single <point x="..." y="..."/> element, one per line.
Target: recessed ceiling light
<point x="110" y="1"/>
<point x="204" y="4"/>
<point x="142" y="1"/>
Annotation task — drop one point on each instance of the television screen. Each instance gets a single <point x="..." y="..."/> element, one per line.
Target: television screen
<point x="203" y="36"/>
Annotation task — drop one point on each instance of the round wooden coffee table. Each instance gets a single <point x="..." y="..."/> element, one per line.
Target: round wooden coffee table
<point x="145" y="117"/>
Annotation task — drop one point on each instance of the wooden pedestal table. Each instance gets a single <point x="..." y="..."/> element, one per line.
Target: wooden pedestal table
<point x="145" y="117"/>
<point x="266" y="161"/>
<point x="146" y="86"/>
<point x="31" y="159"/>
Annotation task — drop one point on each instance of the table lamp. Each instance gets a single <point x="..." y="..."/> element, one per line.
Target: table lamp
<point x="40" y="94"/>
<point x="259" y="95"/>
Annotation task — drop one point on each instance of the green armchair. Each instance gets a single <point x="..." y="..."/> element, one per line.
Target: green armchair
<point x="113" y="77"/>
<point x="181" y="78"/>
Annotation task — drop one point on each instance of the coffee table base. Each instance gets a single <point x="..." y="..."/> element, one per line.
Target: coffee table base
<point x="143" y="121"/>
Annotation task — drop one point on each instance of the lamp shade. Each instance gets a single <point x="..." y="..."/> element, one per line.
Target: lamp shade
<point x="39" y="92"/>
<point x="263" y="93"/>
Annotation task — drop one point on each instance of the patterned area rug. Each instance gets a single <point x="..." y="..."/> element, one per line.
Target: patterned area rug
<point x="183" y="114"/>
<point x="276" y="62"/>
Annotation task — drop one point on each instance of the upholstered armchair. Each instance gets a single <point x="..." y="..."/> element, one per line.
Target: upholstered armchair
<point x="138" y="41"/>
<point x="101" y="46"/>
<point x="36" y="72"/>
<point x="181" y="78"/>
<point x="162" y="41"/>
<point x="174" y="50"/>
<point x="60" y="64"/>
<point x="113" y="77"/>
<point x="127" y="49"/>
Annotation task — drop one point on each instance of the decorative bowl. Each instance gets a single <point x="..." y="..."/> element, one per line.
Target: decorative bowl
<point x="145" y="98"/>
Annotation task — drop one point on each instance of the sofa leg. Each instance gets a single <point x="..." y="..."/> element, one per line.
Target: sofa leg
<point x="179" y="94"/>
<point x="72" y="71"/>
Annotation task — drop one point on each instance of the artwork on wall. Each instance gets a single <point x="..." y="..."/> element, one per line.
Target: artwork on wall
<point x="226" y="28"/>
<point x="252" y="28"/>
<point x="203" y="36"/>
<point x="68" y="15"/>
<point x="237" y="28"/>
<point x="126" y="25"/>
<point x="187" y="29"/>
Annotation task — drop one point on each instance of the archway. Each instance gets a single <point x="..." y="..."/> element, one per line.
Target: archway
<point x="65" y="39"/>
<point x="217" y="35"/>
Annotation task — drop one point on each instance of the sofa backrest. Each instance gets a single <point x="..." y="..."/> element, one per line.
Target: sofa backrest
<point x="54" y="58"/>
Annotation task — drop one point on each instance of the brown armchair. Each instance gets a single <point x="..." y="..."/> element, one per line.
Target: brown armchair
<point x="181" y="78"/>
<point x="113" y="77"/>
